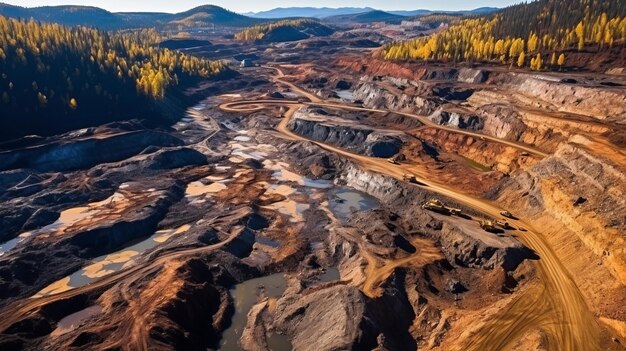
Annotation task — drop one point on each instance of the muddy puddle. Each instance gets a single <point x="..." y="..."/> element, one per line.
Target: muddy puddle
<point x="239" y="148"/>
<point x="345" y="95"/>
<point x="330" y="275"/>
<point x="246" y="295"/>
<point x="282" y="174"/>
<point x="477" y="166"/>
<point x="195" y="189"/>
<point x="11" y="244"/>
<point x="75" y="320"/>
<point x="295" y="210"/>
<point x="106" y="265"/>
<point x="345" y="201"/>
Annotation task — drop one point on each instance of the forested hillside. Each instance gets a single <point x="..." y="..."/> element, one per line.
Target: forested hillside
<point x="286" y="30"/>
<point x="51" y="74"/>
<point x="70" y="15"/>
<point x="534" y="34"/>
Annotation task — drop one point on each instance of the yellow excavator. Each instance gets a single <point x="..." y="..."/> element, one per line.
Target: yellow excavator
<point x="488" y="226"/>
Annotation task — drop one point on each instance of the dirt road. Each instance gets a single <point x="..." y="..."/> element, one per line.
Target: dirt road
<point x="557" y="306"/>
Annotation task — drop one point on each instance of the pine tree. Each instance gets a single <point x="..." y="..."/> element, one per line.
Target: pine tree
<point x="521" y="59"/>
<point x="580" y="33"/>
<point x="561" y="61"/>
<point x="73" y="104"/>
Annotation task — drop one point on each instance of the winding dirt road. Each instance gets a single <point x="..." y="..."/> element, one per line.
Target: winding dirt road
<point x="556" y="306"/>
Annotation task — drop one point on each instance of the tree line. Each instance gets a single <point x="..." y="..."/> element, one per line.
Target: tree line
<point x="49" y="71"/>
<point x="258" y="32"/>
<point x="535" y="34"/>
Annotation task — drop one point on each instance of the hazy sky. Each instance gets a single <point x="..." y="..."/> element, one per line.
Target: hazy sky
<point x="256" y="5"/>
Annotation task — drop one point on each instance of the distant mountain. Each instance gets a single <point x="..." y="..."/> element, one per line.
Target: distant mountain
<point x="313" y="12"/>
<point x="211" y="14"/>
<point x="285" y="30"/>
<point x="366" y="17"/>
<point x="423" y="12"/>
<point x="324" y="12"/>
<point x="67" y="15"/>
<point x="96" y="17"/>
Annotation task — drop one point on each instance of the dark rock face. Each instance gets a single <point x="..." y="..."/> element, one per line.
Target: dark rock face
<point x="450" y="93"/>
<point x="385" y="149"/>
<point x="26" y="270"/>
<point x="306" y="319"/>
<point x="358" y="322"/>
<point x="456" y="287"/>
<point x="343" y="85"/>
<point x="362" y="141"/>
<point x="277" y="95"/>
<point x="457" y="120"/>
<point x="85" y="153"/>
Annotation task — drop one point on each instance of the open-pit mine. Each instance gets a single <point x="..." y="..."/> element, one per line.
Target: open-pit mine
<point x="321" y="198"/>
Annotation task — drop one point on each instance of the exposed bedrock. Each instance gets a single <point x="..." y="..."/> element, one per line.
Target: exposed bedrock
<point x="548" y="92"/>
<point x="463" y="243"/>
<point x="583" y="191"/>
<point x="27" y="269"/>
<point x="358" y="322"/>
<point x="375" y="96"/>
<point x="455" y="119"/>
<point x="360" y="140"/>
<point x="85" y="153"/>
<point x="378" y="67"/>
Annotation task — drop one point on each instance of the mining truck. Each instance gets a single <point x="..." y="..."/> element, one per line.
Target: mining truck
<point x="409" y="178"/>
<point x="506" y="214"/>
<point x="436" y="205"/>
<point x="503" y="224"/>
<point x="487" y="225"/>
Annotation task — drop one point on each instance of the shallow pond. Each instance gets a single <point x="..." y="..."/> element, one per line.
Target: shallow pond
<point x="330" y="275"/>
<point x="105" y="265"/>
<point x="246" y="295"/>
<point x="476" y="165"/>
<point x="347" y="200"/>
<point x="75" y="320"/>
<point x="345" y="94"/>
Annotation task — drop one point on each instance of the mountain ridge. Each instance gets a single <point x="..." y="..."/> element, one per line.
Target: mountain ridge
<point x="324" y="12"/>
<point x="91" y="16"/>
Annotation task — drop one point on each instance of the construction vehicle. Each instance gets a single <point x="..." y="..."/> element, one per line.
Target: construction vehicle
<point x="456" y="212"/>
<point x="503" y="224"/>
<point x="409" y="178"/>
<point x="488" y="226"/>
<point x="507" y="214"/>
<point x="393" y="161"/>
<point x="436" y="206"/>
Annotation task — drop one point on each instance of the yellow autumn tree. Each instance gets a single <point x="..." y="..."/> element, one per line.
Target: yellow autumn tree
<point x="521" y="59"/>
<point x="561" y="60"/>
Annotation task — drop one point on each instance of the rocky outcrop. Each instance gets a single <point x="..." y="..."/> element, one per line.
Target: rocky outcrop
<point x="483" y="250"/>
<point x="360" y="140"/>
<point x="377" y="97"/>
<point x="471" y="75"/>
<point x="305" y="318"/>
<point x="547" y="92"/>
<point x="455" y="119"/>
<point x="583" y="192"/>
